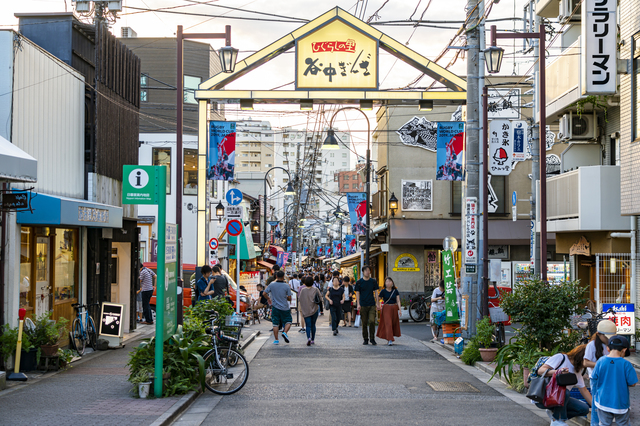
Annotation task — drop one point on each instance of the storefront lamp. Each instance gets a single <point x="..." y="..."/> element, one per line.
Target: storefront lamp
<point x="289" y="190"/>
<point x="327" y="222"/>
<point x="255" y="227"/>
<point x="393" y="204"/>
<point x="331" y="141"/>
<point x="228" y="56"/>
<point x="493" y="59"/>
<point x="219" y="211"/>
<point x="612" y="265"/>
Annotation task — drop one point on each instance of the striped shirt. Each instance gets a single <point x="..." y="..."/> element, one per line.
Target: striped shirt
<point x="146" y="279"/>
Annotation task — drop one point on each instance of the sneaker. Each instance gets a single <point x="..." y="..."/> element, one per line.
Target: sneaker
<point x="390" y="343"/>
<point x="302" y="330"/>
<point x="309" y="342"/>
<point x="285" y="337"/>
<point x="335" y="332"/>
<point x="558" y="423"/>
<point x="276" y="342"/>
<point x="313" y="343"/>
<point x="366" y="342"/>
<point x="321" y="313"/>
<point x="373" y="342"/>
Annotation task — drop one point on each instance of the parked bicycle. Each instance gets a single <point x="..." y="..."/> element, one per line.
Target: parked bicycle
<point x="83" y="330"/>
<point x="587" y="323"/>
<point x="420" y="307"/>
<point x="226" y="369"/>
<point x="499" y="318"/>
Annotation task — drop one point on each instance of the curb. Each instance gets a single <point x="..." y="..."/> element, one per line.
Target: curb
<point x="249" y="339"/>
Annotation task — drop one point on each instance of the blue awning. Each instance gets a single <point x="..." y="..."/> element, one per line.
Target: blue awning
<point x="52" y="210"/>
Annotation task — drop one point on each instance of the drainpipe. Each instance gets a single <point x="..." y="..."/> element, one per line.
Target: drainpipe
<point x="632" y="236"/>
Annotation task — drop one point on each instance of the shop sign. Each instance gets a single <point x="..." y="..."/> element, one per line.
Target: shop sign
<point x="520" y="140"/>
<point x="449" y="275"/>
<point x="599" y="47"/>
<point x="471" y="231"/>
<point x="111" y="319"/>
<point x="140" y="184"/>
<point x="91" y="214"/>
<point x="581" y="247"/>
<point x="500" y="147"/>
<point x="624" y="317"/>
<point x="499" y="252"/>
<point x="16" y="201"/>
<point x="406" y="262"/>
<point x="337" y="56"/>
<point x="503" y="103"/>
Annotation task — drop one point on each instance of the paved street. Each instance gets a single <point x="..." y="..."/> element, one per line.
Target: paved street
<point x="340" y="381"/>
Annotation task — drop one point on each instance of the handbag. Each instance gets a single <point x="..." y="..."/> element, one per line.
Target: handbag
<point x="538" y="384"/>
<point x="317" y="299"/>
<point x="356" y="323"/>
<point x="566" y="378"/>
<point x="555" y="394"/>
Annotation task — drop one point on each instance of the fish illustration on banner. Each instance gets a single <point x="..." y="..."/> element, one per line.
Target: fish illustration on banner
<point x="222" y="150"/>
<point x="357" y="212"/>
<point x="350" y="243"/>
<point x="450" y="150"/>
<point x="289" y="244"/>
<point x="337" y="248"/>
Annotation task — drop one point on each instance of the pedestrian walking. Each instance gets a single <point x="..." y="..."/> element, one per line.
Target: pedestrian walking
<point x="309" y="300"/>
<point x="610" y="382"/>
<point x="346" y="305"/>
<point x="572" y="362"/>
<point x="390" y="316"/>
<point x="147" y="286"/>
<point x="203" y="286"/>
<point x="279" y="293"/>
<point x="367" y="301"/>
<point x="596" y="349"/>
<point x="437" y="305"/>
<point x="335" y="296"/>
<point x="321" y="284"/>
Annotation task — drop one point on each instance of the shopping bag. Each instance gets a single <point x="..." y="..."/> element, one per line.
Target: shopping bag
<point x="356" y="323"/>
<point x="555" y="394"/>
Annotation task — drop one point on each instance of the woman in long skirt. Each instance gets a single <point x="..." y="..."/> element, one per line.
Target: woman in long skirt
<point x="389" y="326"/>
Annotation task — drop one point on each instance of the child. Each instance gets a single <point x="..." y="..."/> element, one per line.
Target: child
<point x="610" y="383"/>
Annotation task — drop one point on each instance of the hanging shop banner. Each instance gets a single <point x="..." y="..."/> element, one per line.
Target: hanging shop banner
<point x="406" y="262"/>
<point x="449" y="275"/>
<point x="503" y="103"/>
<point x="319" y="251"/>
<point x="282" y="259"/>
<point x="419" y="132"/>
<point x="305" y="251"/>
<point x="416" y="195"/>
<point x="599" y="46"/>
<point x="450" y="151"/>
<point x="351" y="244"/>
<point x="222" y="150"/>
<point x="624" y="317"/>
<point x="520" y="139"/>
<point x="357" y="211"/>
<point x="337" y="56"/>
<point x="327" y="251"/>
<point x="336" y="248"/>
<point x="471" y="231"/>
<point x="289" y="244"/>
<point x="500" y="147"/>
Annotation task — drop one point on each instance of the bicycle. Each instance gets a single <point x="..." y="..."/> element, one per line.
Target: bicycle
<point x="587" y="323"/>
<point x="498" y="317"/>
<point x="83" y="329"/>
<point x="226" y="369"/>
<point x="420" y="307"/>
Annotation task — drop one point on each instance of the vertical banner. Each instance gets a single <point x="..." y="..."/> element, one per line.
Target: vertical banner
<point x="336" y="248"/>
<point x="305" y="251"/>
<point x="450" y="150"/>
<point x="222" y="150"/>
<point x="500" y="147"/>
<point x="350" y="242"/>
<point x="327" y="251"/>
<point x="599" y="46"/>
<point x="449" y="275"/>
<point x="319" y="251"/>
<point x="471" y="231"/>
<point x="289" y="244"/>
<point x="520" y="140"/>
<point x="357" y="204"/>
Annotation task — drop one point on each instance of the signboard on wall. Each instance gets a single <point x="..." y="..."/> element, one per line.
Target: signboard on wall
<point x="406" y="262"/>
<point x="624" y="317"/>
<point x="599" y="46"/>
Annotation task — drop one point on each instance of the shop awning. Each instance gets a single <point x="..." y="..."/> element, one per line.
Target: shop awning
<point x="274" y="250"/>
<point x="354" y="259"/>
<point x="321" y="258"/>
<point x="15" y="164"/>
<point x="265" y="264"/>
<point x="328" y="260"/>
<point x="51" y="210"/>
<point x="257" y="249"/>
<point x="379" y="228"/>
<point x="304" y="258"/>
<point x="432" y="232"/>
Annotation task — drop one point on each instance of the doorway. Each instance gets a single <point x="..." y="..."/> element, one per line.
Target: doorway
<point x="121" y="278"/>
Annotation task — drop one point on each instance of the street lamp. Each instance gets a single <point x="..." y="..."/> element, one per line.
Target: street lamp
<point x="228" y="56"/>
<point x="493" y="59"/>
<point x="219" y="211"/>
<point x="393" y="204"/>
<point x="331" y="143"/>
<point x="288" y="191"/>
<point x="255" y="227"/>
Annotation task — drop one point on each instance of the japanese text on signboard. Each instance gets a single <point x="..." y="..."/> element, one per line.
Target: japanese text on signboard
<point x="599" y="35"/>
<point x="471" y="231"/>
<point x="500" y="147"/>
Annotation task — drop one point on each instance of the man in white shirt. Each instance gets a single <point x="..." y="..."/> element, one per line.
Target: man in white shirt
<point x="294" y="283"/>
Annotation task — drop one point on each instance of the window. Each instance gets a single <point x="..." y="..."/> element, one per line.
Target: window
<point x="190" y="172"/>
<point x="190" y="86"/>
<point x="162" y="157"/>
<point x="26" y="240"/>
<point x="346" y="177"/>
<point x="331" y="154"/>
<point x="331" y="164"/>
<point x="355" y="186"/>
<point x="66" y="264"/>
<point x="635" y="87"/>
<point x="286" y="163"/>
<point x="215" y="189"/>
<point x="345" y="186"/>
<point x="144" y="84"/>
<point x="344" y="155"/>
<point x="268" y="155"/>
<point x="344" y="164"/>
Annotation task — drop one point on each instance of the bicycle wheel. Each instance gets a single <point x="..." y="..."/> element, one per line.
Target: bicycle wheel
<point x="223" y="378"/>
<point x="78" y="339"/>
<point x="417" y="311"/>
<point x="499" y="334"/>
<point x="92" y="334"/>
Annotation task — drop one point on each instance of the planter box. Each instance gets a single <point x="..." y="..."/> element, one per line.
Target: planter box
<point x="488" y="355"/>
<point x="404" y="314"/>
<point x="28" y="360"/>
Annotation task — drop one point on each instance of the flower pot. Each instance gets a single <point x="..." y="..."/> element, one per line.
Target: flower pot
<point x="49" y="350"/>
<point x="143" y="389"/>
<point x="489" y="354"/>
<point x="404" y="314"/>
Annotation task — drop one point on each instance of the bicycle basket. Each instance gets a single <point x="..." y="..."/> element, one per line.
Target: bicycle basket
<point x="233" y="321"/>
<point x="498" y="315"/>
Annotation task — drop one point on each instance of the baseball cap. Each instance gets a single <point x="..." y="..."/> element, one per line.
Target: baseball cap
<point x="618" y="343"/>
<point x="607" y="327"/>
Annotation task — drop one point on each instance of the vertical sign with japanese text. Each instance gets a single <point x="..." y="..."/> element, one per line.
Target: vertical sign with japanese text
<point x="520" y="139"/>
<point x="449" y="275"/>
<point x="170" y="281"/>
<point x="599" y="47"/>
<point x="471" y="231"/>
<point x="500" y="147"/>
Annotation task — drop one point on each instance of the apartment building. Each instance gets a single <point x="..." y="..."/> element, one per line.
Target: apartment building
<point x="350" y="181"/>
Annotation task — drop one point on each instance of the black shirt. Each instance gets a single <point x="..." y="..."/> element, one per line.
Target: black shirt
<point x="219" y="286"/>
<point x="389" y="297"/>
<point x="336" y="295"/>
<point x="366" y="289"/>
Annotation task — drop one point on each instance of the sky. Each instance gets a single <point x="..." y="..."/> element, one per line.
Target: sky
<point x="252" y="35"/>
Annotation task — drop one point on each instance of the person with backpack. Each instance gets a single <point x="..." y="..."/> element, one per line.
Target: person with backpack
<point x="610" y="382"/>
<point x="573" y="363"/>
<point x="596" y="349"/>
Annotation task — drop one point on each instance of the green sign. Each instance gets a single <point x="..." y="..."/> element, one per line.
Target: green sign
<point x="471" y="269"/>
<point x="140" y="184"/>
<point x="448" y="269"/>
<point x="170" y="320"/>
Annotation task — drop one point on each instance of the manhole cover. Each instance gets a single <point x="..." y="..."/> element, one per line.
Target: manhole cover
<point x="452" y="387"/>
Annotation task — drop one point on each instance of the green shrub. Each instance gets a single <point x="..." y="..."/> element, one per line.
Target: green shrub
<point x="9" y="342"/>
<point x="484" y="332"/>
<point x="471" y="353"/>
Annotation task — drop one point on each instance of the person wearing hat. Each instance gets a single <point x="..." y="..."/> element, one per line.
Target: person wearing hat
<point x="596" y="349"/>
<point x="610" y="382"/>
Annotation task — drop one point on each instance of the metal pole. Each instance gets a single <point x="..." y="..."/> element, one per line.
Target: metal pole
<point x="535" y="160"/>
<point x="179" y="160"/>
<point x="238" y="274"/>
<point x="543" y="156"/>
<point x="264" y="225"/>
<point x="485" y="204"/>
<point x="160" y="305"/>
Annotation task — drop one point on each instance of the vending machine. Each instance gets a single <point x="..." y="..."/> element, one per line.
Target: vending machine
<point x="556" y="271"/>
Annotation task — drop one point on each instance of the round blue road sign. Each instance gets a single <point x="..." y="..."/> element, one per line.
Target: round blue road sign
<point x="234" y="197"/>
<point x="234" y="228"/>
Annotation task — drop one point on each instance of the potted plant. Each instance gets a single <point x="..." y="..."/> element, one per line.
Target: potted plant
<point x="484" y="337"/>
<point x="66" y="356"/>
<point x="47" y="333"/>
<point x="8" y="344"/>
<point x="404" y="312"/>
<point x="142" y="380"/>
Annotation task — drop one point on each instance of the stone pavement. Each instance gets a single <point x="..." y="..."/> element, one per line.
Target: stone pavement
<point x="340" y="381"/>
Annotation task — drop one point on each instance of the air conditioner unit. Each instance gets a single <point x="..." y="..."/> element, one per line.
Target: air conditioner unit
<point x="575" y="127"/>
<point x="567" y="14"/>
<point x="115" y="6"/>
<point x="83" y="6"/>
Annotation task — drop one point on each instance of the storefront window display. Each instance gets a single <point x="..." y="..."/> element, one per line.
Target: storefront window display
<point x="65" y="263"/>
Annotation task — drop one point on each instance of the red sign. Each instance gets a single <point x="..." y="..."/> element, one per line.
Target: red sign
<point x="334" y="46"/>
<point x="213" y="243"/>
<point x="234" y="228"/>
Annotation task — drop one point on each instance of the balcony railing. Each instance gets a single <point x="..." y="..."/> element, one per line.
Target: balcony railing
<point x="563" y="75"/>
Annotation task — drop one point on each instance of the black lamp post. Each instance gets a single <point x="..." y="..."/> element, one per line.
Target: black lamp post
<point x="219" y="211"/>
<point x="288" y="191"/>
<point x="393" y="204"/>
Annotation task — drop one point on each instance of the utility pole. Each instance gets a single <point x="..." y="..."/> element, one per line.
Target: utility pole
<point x="538" y="148"/>
<point x="473" y="158"/>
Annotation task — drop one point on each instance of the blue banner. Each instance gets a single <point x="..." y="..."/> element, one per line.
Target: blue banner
<point x="336" y="248"/>
<point x="319" y="251"/>
<point x="222" y="150"/>
<point x="357" y="204"/>
<point x="327" y="251"/>
<point x="305" y="251"/>
<point x="289" y="244"/>
<point x="450" y="150"/>
<point x="350" y="244"/>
